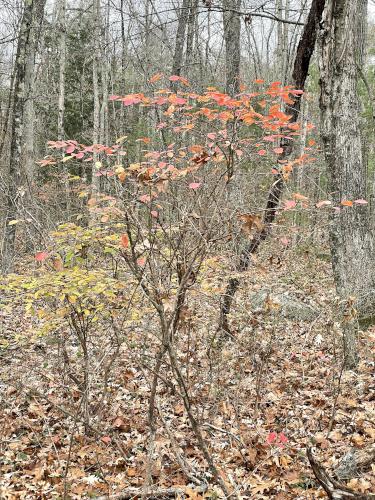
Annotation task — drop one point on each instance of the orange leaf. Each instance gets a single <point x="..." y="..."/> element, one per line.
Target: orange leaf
<point x="346" y="203"/>
<point x="248" y="220"/>
<point x="156" y="77"/>
<point x="124" y="240"/>
<point x="58" y="264"/>
<point x="300" y="197"/>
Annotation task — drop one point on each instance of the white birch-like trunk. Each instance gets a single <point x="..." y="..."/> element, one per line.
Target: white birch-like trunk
<point x="95" y="181"/>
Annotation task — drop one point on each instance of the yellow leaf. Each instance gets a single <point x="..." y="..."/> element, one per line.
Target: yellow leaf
<point x="121" y="139"/>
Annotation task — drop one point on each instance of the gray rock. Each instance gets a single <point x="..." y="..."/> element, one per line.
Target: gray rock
<point x="285" y="303"/>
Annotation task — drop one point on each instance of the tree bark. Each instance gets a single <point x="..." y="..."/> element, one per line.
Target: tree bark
<point x="25" y="46"/>
<point x="29" y="113"/>
<point x="351" y="237"/>
<point x="180" y="40"/>
<point x="232" y="36"/>
<point x="95" y="180"/>
<point x="62" y="68"/>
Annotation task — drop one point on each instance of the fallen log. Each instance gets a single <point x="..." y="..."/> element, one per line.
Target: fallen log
<point x="334" y="489"/>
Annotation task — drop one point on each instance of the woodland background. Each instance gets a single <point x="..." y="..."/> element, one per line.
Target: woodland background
<point x="187" y="288"/>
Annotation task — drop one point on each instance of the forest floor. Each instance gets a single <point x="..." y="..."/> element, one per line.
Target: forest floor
<point x="260" y="398"/>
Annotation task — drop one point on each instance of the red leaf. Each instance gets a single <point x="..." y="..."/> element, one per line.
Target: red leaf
<point x="41" y="256"/>
<point x="282" y="438"/>
<point x="130" y="99"/>
<point x="70" y="149"/>
<point x="145" y="198"/>
<point x="176" y="78"/>
<point x="194" y="185"/>
<point x="262" y="152"/>
<point x="288" y="204"/>
<point x="271" y="438"/>
<point x="278" y="150"/>
<point x="284" y="241"/>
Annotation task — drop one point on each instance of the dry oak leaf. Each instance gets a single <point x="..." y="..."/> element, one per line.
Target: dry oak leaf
<point x="250" y="220"/>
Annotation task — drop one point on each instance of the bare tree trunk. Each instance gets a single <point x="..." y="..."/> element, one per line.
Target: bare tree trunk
<point x="62" y="66"/>
<point x="104" y="42"/>
<point x="32" y="14"/>
<point x="351" y="239"/>
<point x="95" y="181"/>
<point x="191" y="35"/>
<point x="29" y="114"/>
<point x="300" y="71"/>
<point x="180" y="39"/>
<point x="232" y="35"/>
<point x="61" y="23"/>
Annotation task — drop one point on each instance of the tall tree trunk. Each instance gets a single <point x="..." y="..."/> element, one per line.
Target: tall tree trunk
<point x="300" y="71"/>
<point x="61" y="23"/>
<point x="32" y="13"/>
<point x="95" y="181"/>
<point x="232" y="36"/>
<point x="351" y="239"/>
<point x="29" y="113"/>
<point x="180" y="39"/>
<point x="191" y="35"/>
<point x="104" y="43"/>
<point x="62" y="68"/>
